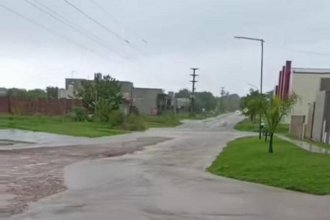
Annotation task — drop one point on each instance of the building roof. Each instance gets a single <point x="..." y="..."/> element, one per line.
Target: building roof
<point x="311" y="70"/>
<point x="140" y="88"/>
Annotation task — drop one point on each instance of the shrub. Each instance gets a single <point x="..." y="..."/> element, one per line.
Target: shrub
<point x="134" y="123"/>
<point x="116" y="118"/>
<point x="80" y="114"/>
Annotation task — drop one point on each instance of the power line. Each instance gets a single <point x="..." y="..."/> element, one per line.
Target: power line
<point x="47" y="29"/>
<point x="68" y="21"/>
<point x="97" y="22"/>
<point x="56" y="17"/>
<point x="116" y="20"/>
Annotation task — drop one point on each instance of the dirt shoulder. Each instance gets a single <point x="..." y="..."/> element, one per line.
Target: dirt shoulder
<point x="28" y="175"/>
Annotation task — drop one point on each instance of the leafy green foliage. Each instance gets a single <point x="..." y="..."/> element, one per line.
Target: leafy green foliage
<point x="101" y="96"/>
<point x="27" y="94"/>
<point x="134" y="123"/>
<point x="59" y="125"/>
<point x="274" y="109"/>
<point x="116" y="118"/>
<point x="183" y="93"/>
<point x="248" y="125"/>
<point x="52" y="92"/>
<point x="290" y="168"/>
<point x="204" y="101"/>
<point x="228" y="103"/>
<point x="80" y="114"/>
<point x="251" y="104"/>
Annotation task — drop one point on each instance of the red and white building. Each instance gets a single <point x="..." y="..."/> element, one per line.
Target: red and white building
<point x="309" y="115"/>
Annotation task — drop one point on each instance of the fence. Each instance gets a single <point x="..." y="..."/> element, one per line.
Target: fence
<point x="51" y="107"/>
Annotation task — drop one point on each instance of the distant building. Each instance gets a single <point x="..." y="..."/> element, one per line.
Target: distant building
<point x="68" y="93"/>
<point x="182" y="104"/>
<point x="75" y="82"/>
<point x="148" y="101"/>
<point x="145" y="99"/>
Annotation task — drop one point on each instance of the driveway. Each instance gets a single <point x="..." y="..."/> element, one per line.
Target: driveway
<point x="167" y="181"/>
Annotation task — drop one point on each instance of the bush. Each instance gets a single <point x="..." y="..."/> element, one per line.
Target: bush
<point x="134" y="123"/>
<point x="116" y="118"/>
<point x="80" y="114"/>
<point x="103" y="110"/>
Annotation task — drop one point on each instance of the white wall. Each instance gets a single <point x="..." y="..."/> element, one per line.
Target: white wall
<point x="306" y="86"/>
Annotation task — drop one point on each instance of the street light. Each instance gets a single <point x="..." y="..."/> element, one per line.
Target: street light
<point x="261" y="68"/>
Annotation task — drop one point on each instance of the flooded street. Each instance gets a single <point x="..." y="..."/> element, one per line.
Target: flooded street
<point x="167" y="180"/>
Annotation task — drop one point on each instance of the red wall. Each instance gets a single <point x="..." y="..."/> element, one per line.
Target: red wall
<point x="284" y="81"/>
<point x="41" y="106"/>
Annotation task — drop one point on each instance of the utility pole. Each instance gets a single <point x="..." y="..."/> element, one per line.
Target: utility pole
<point x="193" y="88"/>
<point x="222" y="93"/>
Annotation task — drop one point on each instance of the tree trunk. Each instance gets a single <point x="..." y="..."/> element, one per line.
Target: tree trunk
<point x="270" y="149"/>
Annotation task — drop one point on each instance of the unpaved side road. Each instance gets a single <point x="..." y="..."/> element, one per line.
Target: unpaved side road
<point x="30" y="174"/>
<point x="168" y="181"/>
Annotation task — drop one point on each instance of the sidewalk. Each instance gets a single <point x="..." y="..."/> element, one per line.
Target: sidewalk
<point x="305" y="145"/>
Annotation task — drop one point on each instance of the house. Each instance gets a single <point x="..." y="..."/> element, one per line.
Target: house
<point x="182" y="104"/>
<point x="310" y="85"/>
<point x="147" y="101"/>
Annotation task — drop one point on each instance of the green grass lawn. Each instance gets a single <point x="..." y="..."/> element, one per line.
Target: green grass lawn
<point x="65" y="125"/>
<point x="58" y="125"/>
<point x="288" y="167"/>
<point x="169" y="120"/>
<point x="247" y="125"/>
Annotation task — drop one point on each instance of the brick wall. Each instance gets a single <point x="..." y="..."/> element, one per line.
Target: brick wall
<point x="41" y="106"/>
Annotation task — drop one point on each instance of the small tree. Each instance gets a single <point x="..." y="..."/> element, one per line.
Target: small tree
<point x="274" y="109"/>
<point x="101" y="96"/>
<point x="252" y="103"/>
<point x="183" y="93"/>
<point x="52" y="92"/>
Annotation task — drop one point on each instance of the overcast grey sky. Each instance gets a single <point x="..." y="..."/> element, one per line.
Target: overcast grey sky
<point x="166" y="37"/>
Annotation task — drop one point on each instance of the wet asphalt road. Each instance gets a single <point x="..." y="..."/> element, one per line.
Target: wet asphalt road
<point x="167" y="181"/>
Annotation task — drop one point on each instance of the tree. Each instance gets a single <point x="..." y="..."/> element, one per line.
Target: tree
<point x="274" y="109"/>
<point x="36" y="94"/>
<point x="28" y="95"/>
<point x="228" y="103"/>
<point x="52" y="92"/>
<point x="183" y="93"/>
<point x="17" y="93"/>
<point x="101" y="96"/>
<point x="251" y="104"/>
<point x="205" y="101"/>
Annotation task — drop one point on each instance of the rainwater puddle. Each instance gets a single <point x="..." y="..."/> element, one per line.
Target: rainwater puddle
<point x="7" y="142"/>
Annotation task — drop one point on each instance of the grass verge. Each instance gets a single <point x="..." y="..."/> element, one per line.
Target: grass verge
<point x="247" y="125"/>
<point x="58" y="125"/>
<point x="169" y="120"/>
<point x="289" y="167"/>
<point x="67" y="126"/>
